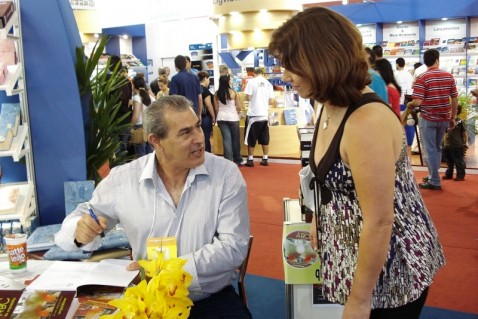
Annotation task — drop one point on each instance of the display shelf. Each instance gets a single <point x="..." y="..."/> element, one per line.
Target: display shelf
<point x="17" y="149"/>
<point x="11" y="78"/>
<point x="5" y="32"/>
<point x="26" y="205"/>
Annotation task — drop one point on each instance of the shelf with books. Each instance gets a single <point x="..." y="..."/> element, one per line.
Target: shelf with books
<point x="20" y="148"/>
<point x="25" y="206"/>
<point x="5" y="32"/>
<point x="11" y="78"/>
<point x="17" y="148"/>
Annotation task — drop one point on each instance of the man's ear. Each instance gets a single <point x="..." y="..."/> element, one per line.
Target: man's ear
<point x="154" y="140"/>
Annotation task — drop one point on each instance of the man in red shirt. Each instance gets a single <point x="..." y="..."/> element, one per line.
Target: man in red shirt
<point x="432" y="92"/>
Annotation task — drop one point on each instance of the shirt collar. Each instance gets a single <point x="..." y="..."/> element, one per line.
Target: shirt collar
<point x="149" y="170"/>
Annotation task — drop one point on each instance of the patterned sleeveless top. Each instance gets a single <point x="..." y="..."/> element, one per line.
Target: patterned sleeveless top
<point x="414" y="255"/>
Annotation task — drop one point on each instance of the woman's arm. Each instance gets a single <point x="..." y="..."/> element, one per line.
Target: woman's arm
<point x="210" y="108"/>
<point x="137" y="106"/>
<point x="216" y="104"/>
<point x="238" y="102"/>
<point x="371" y="146"/>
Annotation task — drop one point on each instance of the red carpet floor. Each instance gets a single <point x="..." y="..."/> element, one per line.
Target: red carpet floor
<point x="454" y="211"/>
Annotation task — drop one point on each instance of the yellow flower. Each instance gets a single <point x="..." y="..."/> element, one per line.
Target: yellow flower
<point x="164" y="296"/>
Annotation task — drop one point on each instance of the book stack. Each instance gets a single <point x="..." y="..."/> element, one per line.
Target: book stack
<point x="9" y="123"/>
<point x="6" y="12"/>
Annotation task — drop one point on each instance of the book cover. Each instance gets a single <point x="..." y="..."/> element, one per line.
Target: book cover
<point x="43" y="237"/>
<point x="8" y="301"/>
<point x="77" y="192"/>
<point x="6" y="135"/>
<point x="93" y="300"/>
<point x="9" y="198"/>
<point x="301" y="262"/>
<point x="6" y="12"/>
<point x="290" y="116"/>
<point x="52" y="304"/>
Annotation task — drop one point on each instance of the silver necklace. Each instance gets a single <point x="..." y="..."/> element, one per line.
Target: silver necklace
<point x="326" y="122"/>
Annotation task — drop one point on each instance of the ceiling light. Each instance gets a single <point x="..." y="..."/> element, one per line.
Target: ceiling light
<point x="444" y="19"/>
<point x="125" y="36"/>
<point x="399" y="22"/>
<point x="345" y="2"/>
<point x="263" y="10"/>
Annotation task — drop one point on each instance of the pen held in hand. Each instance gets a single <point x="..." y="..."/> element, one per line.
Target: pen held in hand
<point x="93" y="215"/>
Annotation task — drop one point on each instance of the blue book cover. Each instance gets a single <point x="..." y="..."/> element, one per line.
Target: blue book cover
<point x="6" y="135"/>
<point x="11" y="113"/>
<point x="42" y="238"/>
<point x="290" y="117"/>
<point x="77" y="192"/>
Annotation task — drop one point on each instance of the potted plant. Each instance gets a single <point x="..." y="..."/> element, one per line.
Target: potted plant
<point x="100" y="102"/>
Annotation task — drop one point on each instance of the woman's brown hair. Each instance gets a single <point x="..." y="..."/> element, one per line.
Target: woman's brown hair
<point x="326" y="49"/>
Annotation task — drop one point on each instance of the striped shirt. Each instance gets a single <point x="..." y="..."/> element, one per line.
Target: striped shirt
<point x="211" y="222"/>
<point x="434" y="88"/>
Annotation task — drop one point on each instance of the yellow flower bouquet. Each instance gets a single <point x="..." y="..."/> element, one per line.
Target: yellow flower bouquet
<point x="164" y="296"/>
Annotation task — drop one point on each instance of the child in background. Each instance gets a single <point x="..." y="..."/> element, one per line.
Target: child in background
<point x="454" y="150"/>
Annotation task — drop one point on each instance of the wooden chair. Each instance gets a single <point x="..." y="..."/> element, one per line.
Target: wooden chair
<point x="242" y="274"/>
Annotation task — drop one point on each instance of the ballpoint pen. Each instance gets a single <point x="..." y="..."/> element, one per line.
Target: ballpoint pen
<point x="93" y="215"/>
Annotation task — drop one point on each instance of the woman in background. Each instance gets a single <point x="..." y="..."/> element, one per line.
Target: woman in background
<point x="379" y="249"/>
<point x="208" y="117"/>
<point x="163" y="87"/>
<point x="141" y="100"/>
<point x="227" y="105"/>
<point x="384" y="68"/>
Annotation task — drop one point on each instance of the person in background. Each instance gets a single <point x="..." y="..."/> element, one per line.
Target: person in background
<point x="186" y="84"/>
<point x="377" y="49"/>
<point x="227" y="105"/>
<point x="208" y="117"/>
<point x="189" y="67"/>
<point x="432" y="92"/>
<point x="224" y="70"/>
<point x="163" y="87"/>
<point x="182" y="191"/>
<point x="126" y="92"/>
<point x="260" y="94"/>
<point x="404" y="79"/>
<point x="369" y="249"/>
<point x="419" y="70"/>
<point x="384" y="68"/>
<point x="455" y="145"/>
<point x="377" y="84"/>
<point x="141" y="100"/>
<point x="154" y="85"/>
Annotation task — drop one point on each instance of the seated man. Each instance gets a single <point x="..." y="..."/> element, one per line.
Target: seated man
<point x="182" y="191"/>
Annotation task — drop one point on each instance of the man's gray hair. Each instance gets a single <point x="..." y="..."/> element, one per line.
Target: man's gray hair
<point x="154" y="120"/>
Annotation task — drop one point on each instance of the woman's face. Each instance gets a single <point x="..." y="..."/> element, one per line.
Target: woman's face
<point x="299" y="84"/>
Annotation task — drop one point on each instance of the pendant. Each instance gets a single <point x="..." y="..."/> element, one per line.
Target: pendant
<point x="326" y="123"/>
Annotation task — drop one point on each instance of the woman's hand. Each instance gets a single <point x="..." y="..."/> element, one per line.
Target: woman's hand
<point x="356" y="309"/>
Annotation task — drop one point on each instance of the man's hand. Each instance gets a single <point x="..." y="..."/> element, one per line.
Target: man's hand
<point x="452" y="124"/>
<point x="87" y="228"/>
<point x="133" y="266"/>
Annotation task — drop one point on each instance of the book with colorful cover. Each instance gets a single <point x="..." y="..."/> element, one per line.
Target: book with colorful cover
<point x="301" y="261"/>
<point x="8" y="301"/>
<point x="93" y="300"/>
<point x="51" y="304"/>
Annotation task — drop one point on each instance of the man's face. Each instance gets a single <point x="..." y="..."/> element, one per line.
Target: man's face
<point x="184" y="145"/>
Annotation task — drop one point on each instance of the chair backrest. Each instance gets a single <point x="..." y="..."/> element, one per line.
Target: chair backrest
<point x="242" y="273"/>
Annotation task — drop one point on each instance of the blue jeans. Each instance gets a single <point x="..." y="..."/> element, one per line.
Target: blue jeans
<point x="231" y="140"/>
<point x="206" y="125"/>
<point x="432" y="134"/>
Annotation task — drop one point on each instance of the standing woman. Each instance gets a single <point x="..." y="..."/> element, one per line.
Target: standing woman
<point x="163" y="87"/>
<point x="378" y="246"/>
<point x="384" y="68"/>
<point x="208" y="117"/>
<point x="227" y="105"/>
<point x="141" y="100"/>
